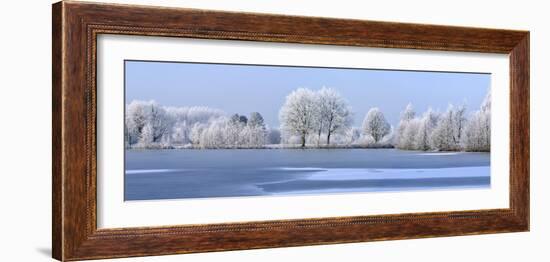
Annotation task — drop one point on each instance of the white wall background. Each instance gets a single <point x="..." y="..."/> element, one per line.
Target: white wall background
<point x="25" y="147"/>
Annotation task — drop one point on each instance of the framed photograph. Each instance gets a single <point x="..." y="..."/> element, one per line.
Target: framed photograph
<point x="182" y="130"/>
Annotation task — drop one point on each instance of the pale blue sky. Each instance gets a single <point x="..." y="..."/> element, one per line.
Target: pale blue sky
<point x="247" y="88"/>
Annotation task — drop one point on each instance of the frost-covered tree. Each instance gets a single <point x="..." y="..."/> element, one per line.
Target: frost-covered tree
<point x="180" y="133"/>
<point x="332" y="113"/>
<point x="447" y="135"/>
<point x="255" y="133"/>
<point x="459" y="123"/>
<point x="297" y="114"/>
<point x="184" y="118"/>
<point x="410" y="133"/>
<point x="406" y="116"/>
<point x="214" y="135"/>
<point x="196" y="133"/>
<point x="136" y="119"/>
<point x="427" y="124"/>
<point x="320" y="115"/>
<point x="444" y="134"/>
<point x="159" y="121"/>
<point x="141" y="114"/>
<point x="253" y="136"/>
<point x="408" y="113"/>
<point x="477" y="135"/>
<point x="233" y="131"/>
<point x="375" y="125"/>
<point x="147" y="136"/>
<point x="256" y="120"/>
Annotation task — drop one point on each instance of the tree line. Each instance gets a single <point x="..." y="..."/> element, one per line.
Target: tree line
<point x="452" y="130"/>
<point x="149" y="125"/>
<point x="307" y="118"/>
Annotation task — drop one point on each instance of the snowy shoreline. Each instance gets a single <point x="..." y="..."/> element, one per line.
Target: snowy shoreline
<point x="286" y="147"/>
<point x="189" y="147"/>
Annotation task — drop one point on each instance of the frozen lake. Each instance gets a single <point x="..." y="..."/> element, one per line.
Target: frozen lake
<point x="173" y="174"/>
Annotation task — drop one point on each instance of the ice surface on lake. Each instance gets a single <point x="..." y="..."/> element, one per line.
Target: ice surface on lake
<point x="173" y="174"/>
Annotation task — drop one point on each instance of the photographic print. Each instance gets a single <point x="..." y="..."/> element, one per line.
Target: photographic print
<point x="179" y="130"/>
<point x="202" y="130"/>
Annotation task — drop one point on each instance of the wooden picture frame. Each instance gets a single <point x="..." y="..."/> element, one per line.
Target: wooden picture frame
<point x="75" y="28"/>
